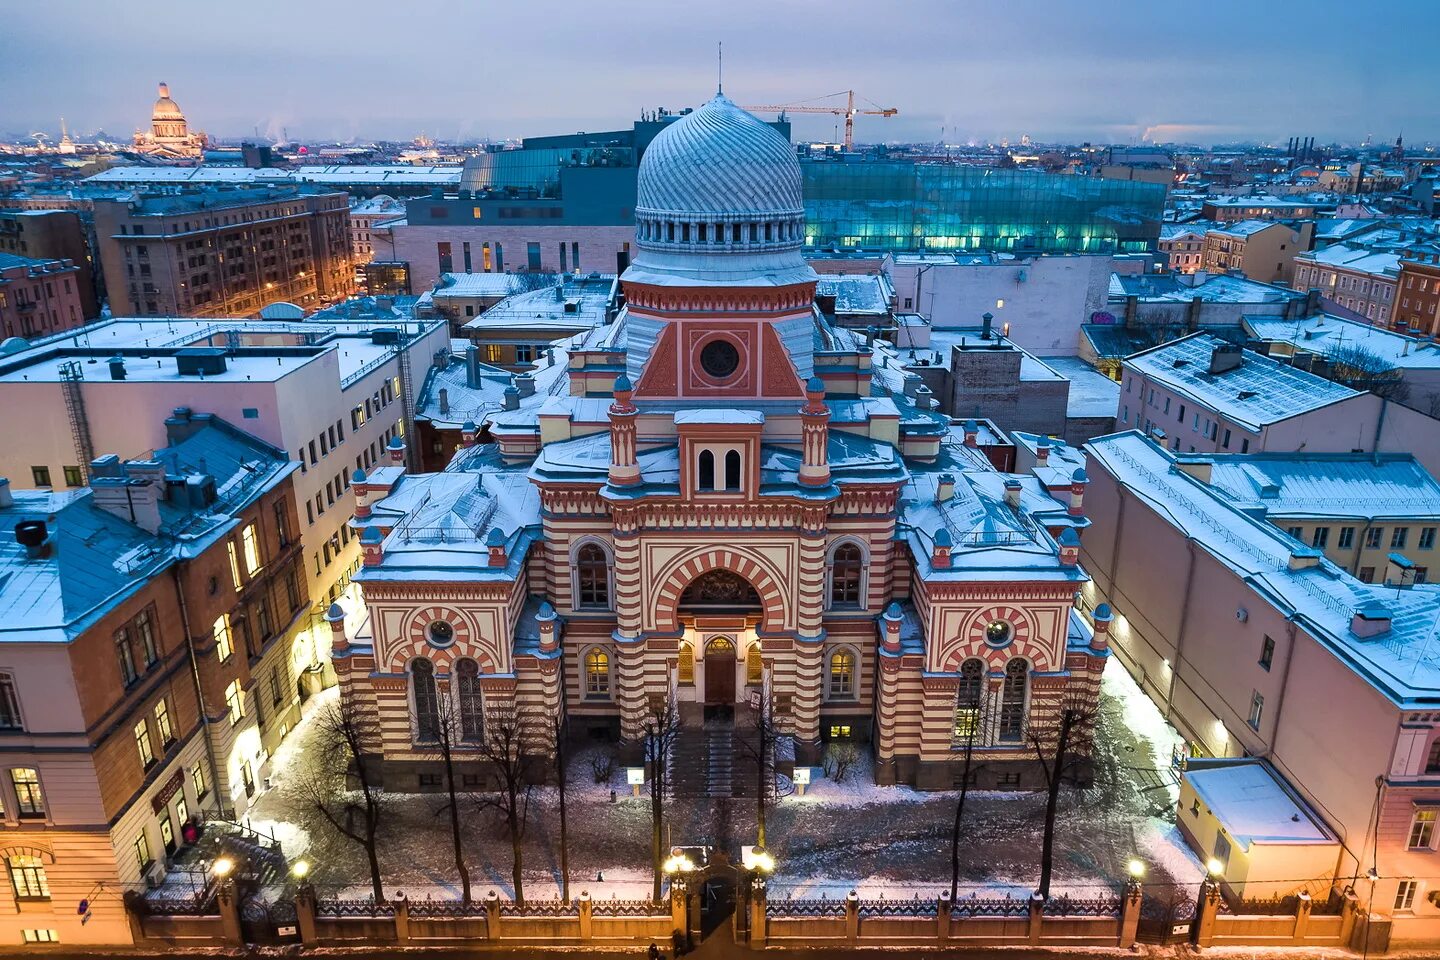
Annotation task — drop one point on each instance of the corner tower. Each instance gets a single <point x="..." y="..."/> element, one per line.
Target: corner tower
<point x="719" y="297"/>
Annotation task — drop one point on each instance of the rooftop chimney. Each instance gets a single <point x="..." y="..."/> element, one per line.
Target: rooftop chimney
<point x="1225" y="357"/>
<point x="34" y="536"/>
<point x="945" y="488"/>
<point x="1370" y="620"/>
<point x="117" y="367"/>
<point x="1012" y="493"/>
<point x="472" y="366"/>
<point x="525" y="383"/>
<point x="986" y="322"/>
<point x="6" y="499"/>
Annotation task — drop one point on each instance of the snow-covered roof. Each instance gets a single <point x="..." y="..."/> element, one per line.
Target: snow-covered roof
<point x="1092" y="394"/>
<point x="1351" y="259"/>
<point x="858" y="294"/>
<point x="1320" y="597"/>
<point x="482" y="285"/>
<point x="1335" y="336"/>
<point x="364" y="174"/>
<point x="1253" y="804"/>
<point x="1257" y="392"/>
<point x="1243" y="229"/>
<point x="480" y="398"/>
<point x="576" y="304"/>
<point x="1298" y="486"/>
<point x="1210" y="288"/>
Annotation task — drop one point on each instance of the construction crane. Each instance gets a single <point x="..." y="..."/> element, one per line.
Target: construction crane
<point x="848" y="112"/>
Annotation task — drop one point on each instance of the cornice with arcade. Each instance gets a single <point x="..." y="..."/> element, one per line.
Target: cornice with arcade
<point x="378" y="593"/>
<point x="936" y="591"/>
<point x="758" y="303"/>
<point x="572" y="500"/>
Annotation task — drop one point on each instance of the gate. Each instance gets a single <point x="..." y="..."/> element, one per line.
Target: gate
<point x="265" y="923"/>
<point x="1166" y="918"/>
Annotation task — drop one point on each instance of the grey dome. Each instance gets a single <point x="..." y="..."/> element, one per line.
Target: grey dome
<point x="719" y="160"/>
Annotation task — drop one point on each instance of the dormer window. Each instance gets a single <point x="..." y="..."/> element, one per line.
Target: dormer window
<point x="708" y="478"/>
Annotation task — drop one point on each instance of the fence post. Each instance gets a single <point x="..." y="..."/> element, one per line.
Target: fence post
<point x="587" y="916"/>
<point x="1347" y="916"/>
<point x="1207" y="909"/>
<point x="757" y="914"/>
<point x="852" y="916"/>
<point x="942" y="916"/>
<point x="402" y="917"/>
<point x="305" y="913"/>
<point x="1302" y="917"/>
<point x="229" y="913"/>
<point x="492" y="916"/>
<point x="1037" y="917"/>
<point x="679" y="904"/>
<point x="1130" y="915"/>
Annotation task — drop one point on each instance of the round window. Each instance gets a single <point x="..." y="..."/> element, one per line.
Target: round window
<point x="998" y="633"/>
<point x="441" y="634"/>
<point x="719" y="358"/>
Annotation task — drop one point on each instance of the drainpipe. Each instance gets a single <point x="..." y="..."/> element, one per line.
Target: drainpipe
<point x="199" y="692"/>
<point x="1184" y="623"/>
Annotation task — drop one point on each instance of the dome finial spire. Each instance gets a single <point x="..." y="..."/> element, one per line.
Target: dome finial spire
<point x="719" y="67"/>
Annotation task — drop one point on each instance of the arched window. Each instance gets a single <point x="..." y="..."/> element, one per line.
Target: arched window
<point x="732" y="470"/>
<point x="1012" y="700"/>
<point x="707" y="471"/>
<point x="847" y="564"/>
<point x="1432" y="763"/>
<point x="842" y="674"/>
<point x="468" y="701"/>
<point x="754" y="665"/>
<point x="592" y="578"/>
<point x="685" y="668"/>
<point x="967" y="699"/>
<point x="427" y="703"/>
<point x="597" y="674"/>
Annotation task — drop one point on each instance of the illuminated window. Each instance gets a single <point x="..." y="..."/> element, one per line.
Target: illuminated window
<point x="162" y="722"/>
<point x="842" y="674"/>
<point x="1405" y="894"/>
<point x="492" y="353"/>
<point x="197" y="781"/>
<point x="1422" y="830"/>
<point x="224" y="643"/>
<point x="29" y="798"/>
<point x="145" y="630"/>
<point x="685" y="668"/>
<point x="597" y="674"/>
<point x="252" y="550"/>
<point x="754" y="665"/>
<point x="839" y="731"/>
<point x="42" y="935"/>
<point x="235" y="702"/>
<point x="142" y="743"/>
<point x="967" y="699"/>
<point x="27" y="874"/>
<point x="427" y="701"/>
<point x="142" y="853"/>
<point x="234" y="564"/>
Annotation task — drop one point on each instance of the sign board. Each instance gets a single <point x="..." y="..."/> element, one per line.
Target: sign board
<point x="290" y="931"/>
<point x="168" y="790"/>
<point x="635" y="776"/>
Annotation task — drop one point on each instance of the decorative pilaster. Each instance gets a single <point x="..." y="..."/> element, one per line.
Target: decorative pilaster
<point x="887" y="705"/>
<point x="815" y="429"/>
<point x="1078" y="482"/>
<point x="624" y="469"/>
<point x="362" y="494"/>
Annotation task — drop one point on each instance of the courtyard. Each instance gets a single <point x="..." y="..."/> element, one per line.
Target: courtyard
<point x="880" y="841"/>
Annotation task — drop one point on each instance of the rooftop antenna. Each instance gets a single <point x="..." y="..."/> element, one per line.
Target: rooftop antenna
<point x="719" y="67"/>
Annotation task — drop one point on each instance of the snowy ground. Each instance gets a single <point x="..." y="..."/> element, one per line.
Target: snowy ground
<point x="852" y="835"/>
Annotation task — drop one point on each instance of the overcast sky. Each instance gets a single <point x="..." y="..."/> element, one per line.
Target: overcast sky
<point x="1071" y="70"/>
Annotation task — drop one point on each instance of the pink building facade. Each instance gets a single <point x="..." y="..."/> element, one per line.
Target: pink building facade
<point x="1200" y="394"/>
<point x="1253" y="645"/>
<point x="431" y="250"/>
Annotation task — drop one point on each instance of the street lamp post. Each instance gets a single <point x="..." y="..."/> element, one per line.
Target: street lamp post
<point x="677" y="867"/>
<point x="758" y="865"/>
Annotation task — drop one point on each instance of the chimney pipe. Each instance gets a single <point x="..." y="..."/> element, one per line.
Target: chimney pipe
<point x="986" y="322"/>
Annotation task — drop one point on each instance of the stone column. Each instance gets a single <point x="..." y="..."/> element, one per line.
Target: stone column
<point x="587" y="916"/>
<point x="679" y="907"/>
<point x="229" y="906"/>
<point x="942" y="916"/>
<point x="629" y="645"/>
<point x="1130" y="914"/>
<point x="305" y="912"/>
<point x="852" y="916"/>
<point x="402" y="918"/>
<point x="757" y="914"/>
<point x="810" y="640"/>
<point x="1037" y="919"/>
<point x="1202" y="931"/>
<point x="1302" y="918"/>
<point x="815" y="430"/>
<point x="492" y="916"/>
<point x="624" y="470"/>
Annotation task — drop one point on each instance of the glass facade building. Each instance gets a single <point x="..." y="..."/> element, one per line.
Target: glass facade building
<point x="896" y="205"/>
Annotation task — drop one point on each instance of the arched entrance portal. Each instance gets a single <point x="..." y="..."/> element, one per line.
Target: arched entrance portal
<point x="720" y="672"/>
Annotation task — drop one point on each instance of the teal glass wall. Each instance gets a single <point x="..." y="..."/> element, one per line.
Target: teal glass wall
<point x="906" y="206"/>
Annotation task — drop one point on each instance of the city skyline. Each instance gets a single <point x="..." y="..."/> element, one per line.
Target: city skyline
<point x="976" y="73"/>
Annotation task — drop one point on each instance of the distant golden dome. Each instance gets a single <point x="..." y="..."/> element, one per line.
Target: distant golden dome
<point x="165" y="108"/>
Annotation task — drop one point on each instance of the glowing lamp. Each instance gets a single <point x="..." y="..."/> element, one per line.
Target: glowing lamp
<point x="300" y="869"/>
<point x="223" y="867"/>
<point x="1136" y="868"/>
<point x="1214" y="867"/>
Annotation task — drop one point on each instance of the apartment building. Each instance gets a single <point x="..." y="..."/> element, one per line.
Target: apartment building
<point x="1260" y="207"/>
<point x="140" y="696"/>
<point x="1358" y="279"/>
<point x="335" y="394"/>
<point x="1261" y="250"/>
<point x="1357" y="508"/>
<point x="1255" y="645"/>
<point x="1417" y="303"/>
<point x="38" y="297"/>
<point x="364" y="214"/>
<point x="1183" y="245"/>
<point x="224" y="253"/>
<point x="1201" y="393"/>
<point x="53" y="235"/>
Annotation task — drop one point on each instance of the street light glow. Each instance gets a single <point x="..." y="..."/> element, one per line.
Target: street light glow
<point x="222" y="867"/>
<point x="1137" y="869"/>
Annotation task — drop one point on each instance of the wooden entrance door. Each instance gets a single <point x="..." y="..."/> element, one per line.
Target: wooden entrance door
<point x="720" y="672"/>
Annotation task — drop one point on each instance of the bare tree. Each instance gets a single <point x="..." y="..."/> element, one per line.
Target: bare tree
<point x="449" y="734"/>
<point x="1062" y="748"/>
<point x="662" y="726"/>
<point x="344" y="732"/>
<point x="759" y="745"/>
<point x="1360" y="368"/>
<point x="560" y="730"/>
<point x="504" y="751"/>
<point x="972" y="718"/>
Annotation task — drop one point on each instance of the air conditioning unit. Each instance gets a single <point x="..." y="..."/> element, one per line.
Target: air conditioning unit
<point x="1242" y="615"/>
